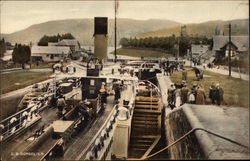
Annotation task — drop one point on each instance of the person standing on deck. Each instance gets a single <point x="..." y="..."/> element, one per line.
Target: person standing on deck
<point x="103" y="94"/>
<point x="117" y="92"/>
<point x="200" y="96"/>
<point x="60" y="105"/>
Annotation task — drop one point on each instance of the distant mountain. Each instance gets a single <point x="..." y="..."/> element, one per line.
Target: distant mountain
<point x="83" y="29"/>
<point x="239" y="27"/>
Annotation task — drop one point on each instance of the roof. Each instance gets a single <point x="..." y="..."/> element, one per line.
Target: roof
<point x="50" y="50"/>
<point x="67" y="42"/>
<point x="199" y="48"/>
<point x="61" y="126"/>
<point x="241" y="42"/>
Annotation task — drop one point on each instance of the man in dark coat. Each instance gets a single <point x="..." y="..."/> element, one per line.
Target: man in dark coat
<point x="103" y="94"/>
<point x="218" y="94"/>
<point x="193" y="94"/>
<point x="117" y="93"/>
<point x="184" y="94"/>
<point x="212" y="93"/>
<point x="60" y="105"/>
<point x="172" y="96"/>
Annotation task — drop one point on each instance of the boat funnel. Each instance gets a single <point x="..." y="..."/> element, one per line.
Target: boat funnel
<point x="101" y="38"/>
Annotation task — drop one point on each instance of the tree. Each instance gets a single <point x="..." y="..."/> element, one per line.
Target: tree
<point x="67" y="36"/>
<point x="2" y="47"/>
<point x="124" y="42"/>
<point x="21" y="54"/>
<point x="44" y="41"/>
<point x="54" y="38"/>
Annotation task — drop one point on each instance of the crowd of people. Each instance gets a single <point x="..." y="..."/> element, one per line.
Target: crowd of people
<point x="170" y="67"/>
<point x="195" y="95"/>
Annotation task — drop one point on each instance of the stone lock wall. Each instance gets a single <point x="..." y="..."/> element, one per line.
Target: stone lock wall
<point x="177" y="125"/>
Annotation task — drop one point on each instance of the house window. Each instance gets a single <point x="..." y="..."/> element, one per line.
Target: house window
<point x="92" y="82"/>
<point x="47" y="55"/>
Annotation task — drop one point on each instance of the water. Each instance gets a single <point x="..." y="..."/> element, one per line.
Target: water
<point x="8" y="55"/>
<point x="110" y="48"/>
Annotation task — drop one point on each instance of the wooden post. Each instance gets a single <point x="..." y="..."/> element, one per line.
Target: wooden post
<point x="229" y="52"/>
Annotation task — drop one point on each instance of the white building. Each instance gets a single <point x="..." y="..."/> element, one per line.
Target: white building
<point x="49" y="53"/>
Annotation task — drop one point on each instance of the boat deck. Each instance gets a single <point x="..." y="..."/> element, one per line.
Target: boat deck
<point x="13" y="147"/>
<point x="81" y="142"/>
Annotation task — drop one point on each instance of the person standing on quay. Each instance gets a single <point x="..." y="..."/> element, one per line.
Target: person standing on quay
<point x="218" y="94"/>
<point x="200" y="97"/>
<point x="184" y="94"/>
<point x="172" y="96"/>
<point x="212" y="90"/>
<point x="184" y="74"/>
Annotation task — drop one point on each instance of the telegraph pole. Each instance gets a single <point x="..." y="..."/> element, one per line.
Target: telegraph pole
<point x="177" y="56"/>
<point x="229" y="52"/>
<point x="116" y="7"/>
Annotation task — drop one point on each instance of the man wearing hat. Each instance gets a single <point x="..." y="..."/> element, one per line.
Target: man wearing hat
<point x="212" y="89"/>
<point x="218" y="94"/>
<point x="60" y="105"/>
<point x="171" y="96"/>
<point x="184" y="94"/>
<point x="192" y="94"/>
<point x="103" y="94"/>
<point x="184" y="74"/>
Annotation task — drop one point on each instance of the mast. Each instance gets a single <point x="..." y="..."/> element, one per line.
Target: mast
<point x="116" y="7"/>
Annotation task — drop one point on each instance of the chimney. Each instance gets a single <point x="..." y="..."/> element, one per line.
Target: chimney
<point x="100" y="38"/>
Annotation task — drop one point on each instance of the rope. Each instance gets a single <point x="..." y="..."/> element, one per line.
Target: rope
<point x="188" y="133"/>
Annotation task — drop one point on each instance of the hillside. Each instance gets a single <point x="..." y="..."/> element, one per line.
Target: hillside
<point x="83" y="29"/>
<point x="239" y="27"/>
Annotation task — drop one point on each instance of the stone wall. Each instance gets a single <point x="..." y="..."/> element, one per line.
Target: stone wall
<point x="177" y="125"/>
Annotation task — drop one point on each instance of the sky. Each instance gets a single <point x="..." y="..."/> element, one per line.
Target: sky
<point x="18" y="15"/>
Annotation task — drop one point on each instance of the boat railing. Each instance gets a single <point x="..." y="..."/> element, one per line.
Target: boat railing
<point x="155" y="89"/>
<point x="100" y="145"/>
<point x="18" y="121"/>
<point x="22" y="119"/>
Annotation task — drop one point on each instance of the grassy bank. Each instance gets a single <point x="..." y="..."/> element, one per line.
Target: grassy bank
<point x="236" y="91"/>
<point x="41" y="65"/>
<point x="141" y="53"/>
<point x="17" y="80"/>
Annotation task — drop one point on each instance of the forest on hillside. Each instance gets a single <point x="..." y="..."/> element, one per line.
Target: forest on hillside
<point x="168" y="44"/>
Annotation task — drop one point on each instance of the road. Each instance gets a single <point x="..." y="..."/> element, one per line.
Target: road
<point x="220" y="71"/>
<point x="226" y="72"/>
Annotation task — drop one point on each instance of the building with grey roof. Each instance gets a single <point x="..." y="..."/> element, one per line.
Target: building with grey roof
<point x="239" y="45"/>
<point x="199" y="50"/>
<point x="72" y="43"/>
<point x="49" y="53"/>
